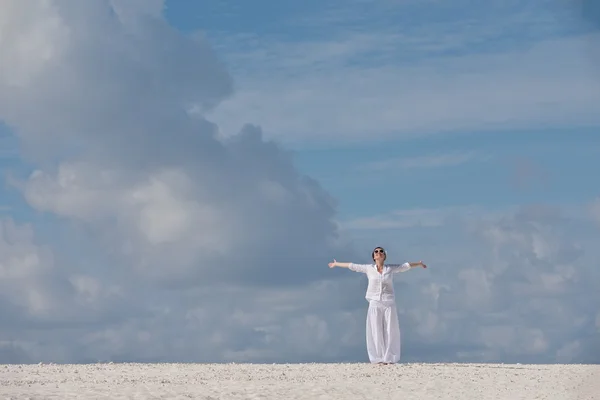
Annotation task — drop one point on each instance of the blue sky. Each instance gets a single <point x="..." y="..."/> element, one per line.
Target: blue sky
<point x="423" y="33"/>
<point x="159" y="157"/>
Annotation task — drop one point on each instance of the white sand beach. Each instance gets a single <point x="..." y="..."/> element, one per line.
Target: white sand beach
<point x="300" y="381"/>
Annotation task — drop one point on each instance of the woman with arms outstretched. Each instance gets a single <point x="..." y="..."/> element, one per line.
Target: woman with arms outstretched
<point x="383" y="328"/>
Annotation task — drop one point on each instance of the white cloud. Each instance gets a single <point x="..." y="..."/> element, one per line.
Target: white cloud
<point x="158" y="202"/>
<point x="41" y="291"/>
<point x="31" y="39"/>
<point x="173" y="198"/>
<point x="416" y="217"/>
<point x="511" y="285"/>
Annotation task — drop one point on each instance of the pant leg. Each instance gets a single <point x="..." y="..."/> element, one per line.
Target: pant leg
<point x="375" y="332"/>
<point x="391" y="335"/>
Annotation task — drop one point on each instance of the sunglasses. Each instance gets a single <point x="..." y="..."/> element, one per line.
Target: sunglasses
<point x="382" y="251"/>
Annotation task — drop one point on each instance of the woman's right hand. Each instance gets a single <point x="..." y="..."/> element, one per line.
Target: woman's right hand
<point x="332" y="264"/>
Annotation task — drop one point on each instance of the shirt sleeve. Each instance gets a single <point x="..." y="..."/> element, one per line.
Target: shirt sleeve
<point x="399" y="267"/>
<point x="359" y="267"/>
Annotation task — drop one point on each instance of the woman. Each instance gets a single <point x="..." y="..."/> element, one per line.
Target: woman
<point x="383" y="328"/>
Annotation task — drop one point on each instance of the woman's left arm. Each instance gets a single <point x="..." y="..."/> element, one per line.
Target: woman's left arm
<point x="406" y="266"/>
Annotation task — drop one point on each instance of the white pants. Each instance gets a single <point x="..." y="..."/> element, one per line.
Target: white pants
<point x="383" y="332"/>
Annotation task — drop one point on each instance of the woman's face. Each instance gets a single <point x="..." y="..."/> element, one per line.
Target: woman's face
<point x="379" y="254"/>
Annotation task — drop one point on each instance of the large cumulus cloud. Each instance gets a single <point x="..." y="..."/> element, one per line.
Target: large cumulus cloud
<point x="107" y="102"/>
<point x="110" y="98"/>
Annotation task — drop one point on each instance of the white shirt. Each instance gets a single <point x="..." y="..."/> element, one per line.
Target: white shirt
<point x="381" y="286"/>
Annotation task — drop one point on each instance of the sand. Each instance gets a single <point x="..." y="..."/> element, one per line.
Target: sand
<point x="300" y="381"/>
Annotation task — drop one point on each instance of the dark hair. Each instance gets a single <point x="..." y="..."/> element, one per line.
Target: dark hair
<point x="373" y="252"/>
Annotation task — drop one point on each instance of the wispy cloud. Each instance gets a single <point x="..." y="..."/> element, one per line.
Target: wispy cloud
<point x="524" y="69"/>
<point x="415" y="217"/>
<point x="479" y="92"/>
<point x="432" y="161"/>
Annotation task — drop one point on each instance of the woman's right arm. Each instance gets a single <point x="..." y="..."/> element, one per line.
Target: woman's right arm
<point x="339" y="264"/>
<point x="351" y="266"/>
